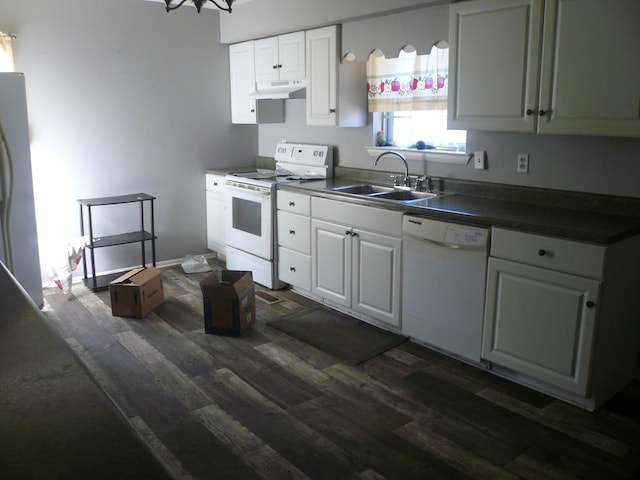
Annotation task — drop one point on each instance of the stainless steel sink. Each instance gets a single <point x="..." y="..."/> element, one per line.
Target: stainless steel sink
<point x="364" y="189"/>
<point x="379" y="192"/>
<point x="404" y="195"/>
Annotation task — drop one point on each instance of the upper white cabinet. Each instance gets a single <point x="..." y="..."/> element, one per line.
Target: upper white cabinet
<point x="545" y="66"/>
<point x="245" y="109"/>
<point x="280" y="58"/>
<point x="336" y="93"/>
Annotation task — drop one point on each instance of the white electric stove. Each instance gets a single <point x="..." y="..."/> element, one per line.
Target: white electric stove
<point x="250" y="208"/>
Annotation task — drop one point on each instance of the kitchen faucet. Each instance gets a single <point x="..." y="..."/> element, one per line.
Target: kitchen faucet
<point x="406" y="181"/>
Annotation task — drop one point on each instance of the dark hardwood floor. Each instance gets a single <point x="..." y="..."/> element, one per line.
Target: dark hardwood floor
<point x="268" y="406"/>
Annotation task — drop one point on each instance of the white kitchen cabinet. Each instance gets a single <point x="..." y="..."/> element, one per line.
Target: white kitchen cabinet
<point x="556" y="315"/>
<point x="336" y="91"/>
<point x="545" y="66"/>
<point x="215" y="213"/>
<point x="294" y="239"/>
<point x="244" y="109"/>
<point x="280" y="58"/>
<point x="539" y="323"/>
<point x="356" y="258"/>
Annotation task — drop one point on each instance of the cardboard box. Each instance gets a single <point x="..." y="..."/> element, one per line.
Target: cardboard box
<point x="136" y="293"/>
<point x="229" y="302"/>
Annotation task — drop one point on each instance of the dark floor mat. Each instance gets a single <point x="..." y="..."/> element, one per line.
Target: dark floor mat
<point x="338" y="334"/>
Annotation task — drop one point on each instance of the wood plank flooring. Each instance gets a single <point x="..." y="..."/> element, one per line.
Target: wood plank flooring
<point x="266" y="406"/>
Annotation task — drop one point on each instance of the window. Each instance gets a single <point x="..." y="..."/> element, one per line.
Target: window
<point x="404" y="129"/>
<point x="408" y="96"/>
<point x="6" y="52"/>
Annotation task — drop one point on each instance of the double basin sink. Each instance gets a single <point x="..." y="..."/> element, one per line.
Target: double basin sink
<point x="412" y="197"/>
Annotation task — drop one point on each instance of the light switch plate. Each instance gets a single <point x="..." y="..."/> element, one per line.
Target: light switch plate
<point x="479" y="160"/>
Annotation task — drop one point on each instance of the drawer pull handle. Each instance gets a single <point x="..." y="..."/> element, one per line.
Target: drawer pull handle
<point x="348" y="232"/>
<point x="542" y="252"/>
<point x="292" y="204"/>
<point x="590" y="304"/>
<point x="292" y="269"/>
<point x="292" y="232"/>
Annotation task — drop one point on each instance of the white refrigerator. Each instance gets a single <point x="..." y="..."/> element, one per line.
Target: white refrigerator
<point x="18" y="235"/>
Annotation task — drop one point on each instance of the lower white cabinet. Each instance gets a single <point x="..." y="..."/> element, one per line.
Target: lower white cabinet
<point x="541" y="323"/>
<point x="294" y="239"/>
<point x="354" y="266"/>
<point x="215" y="213"/>
<point x="560" y="315"/>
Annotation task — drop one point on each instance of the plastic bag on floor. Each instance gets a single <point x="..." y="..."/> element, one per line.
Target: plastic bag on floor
<point x="195" y="264"/>
<point x="61" y="273"/>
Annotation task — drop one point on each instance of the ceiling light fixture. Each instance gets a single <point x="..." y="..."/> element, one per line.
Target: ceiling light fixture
<point x="199" y="3"/>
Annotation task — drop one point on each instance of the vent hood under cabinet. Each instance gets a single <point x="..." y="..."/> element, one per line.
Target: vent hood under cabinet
<point x="280" y="90"/>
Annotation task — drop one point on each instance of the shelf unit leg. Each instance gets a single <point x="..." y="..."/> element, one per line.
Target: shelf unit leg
<point x="93" y="258"/>
<point x="153" y="235"/>
<point x="142" y="249"/>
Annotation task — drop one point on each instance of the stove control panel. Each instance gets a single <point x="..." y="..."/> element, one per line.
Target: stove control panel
<point x="304" y="154"/>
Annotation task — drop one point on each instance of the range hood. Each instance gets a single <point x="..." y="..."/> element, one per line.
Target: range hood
<point x="280" y="90"/>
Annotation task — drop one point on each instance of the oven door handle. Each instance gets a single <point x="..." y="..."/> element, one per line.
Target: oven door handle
<point x="248" y="190"/>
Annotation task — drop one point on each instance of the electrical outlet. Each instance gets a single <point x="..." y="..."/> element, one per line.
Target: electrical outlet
<point x="479" y="160"/>
<point x="523" y="163"/>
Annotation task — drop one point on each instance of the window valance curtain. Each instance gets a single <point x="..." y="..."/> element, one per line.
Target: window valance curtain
<point x="409" y="82"/>
<point x="6" y="53"/>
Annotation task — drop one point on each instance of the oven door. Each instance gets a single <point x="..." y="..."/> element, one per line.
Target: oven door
<point x="249" y="218"/>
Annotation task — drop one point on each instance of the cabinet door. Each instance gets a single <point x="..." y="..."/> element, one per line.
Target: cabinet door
<point x="322" y="62"/>
<point x="376" y="276"/>
<point x="242" y="77"/>
<point x="291" y="55"/>
<point x="494" y="64"/>
<point x="540" y="323"/>
<point x="215" y="222"/>
<point x="266" y="59"/>
<point x="331" y="262"/>
<point x="590" y="78"/>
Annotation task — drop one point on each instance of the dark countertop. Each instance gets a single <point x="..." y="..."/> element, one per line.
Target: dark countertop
<point x="574" y="224"/>
<point x="580" y="225"/>
<point x="55" y="422"/>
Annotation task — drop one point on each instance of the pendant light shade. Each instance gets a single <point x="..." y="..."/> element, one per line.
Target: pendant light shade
<point x="198" y="4"/>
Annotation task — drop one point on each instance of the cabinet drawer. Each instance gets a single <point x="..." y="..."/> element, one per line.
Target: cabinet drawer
<point x="294" y="231"/>
<point x="358" y="216"/>
<point x="215" y="183"/>
<point x="293" y="202"/>
<point x="294" y="268"/>
<point x="577" y="258"/>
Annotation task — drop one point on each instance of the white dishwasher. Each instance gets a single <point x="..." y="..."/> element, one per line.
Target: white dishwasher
<point x="444" y="269"/>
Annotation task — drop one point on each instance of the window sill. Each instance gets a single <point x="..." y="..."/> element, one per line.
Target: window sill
<point x="440" y="156"/>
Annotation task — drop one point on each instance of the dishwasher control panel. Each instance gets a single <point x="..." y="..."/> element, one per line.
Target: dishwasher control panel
<point x="454" y="235"/>
<point x="464" y="236"/>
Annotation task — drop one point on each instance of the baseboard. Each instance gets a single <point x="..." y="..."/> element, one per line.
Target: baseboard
<point x="78" y="274"/>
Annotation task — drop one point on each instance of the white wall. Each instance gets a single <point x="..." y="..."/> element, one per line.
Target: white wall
<point x="124" y="98"/>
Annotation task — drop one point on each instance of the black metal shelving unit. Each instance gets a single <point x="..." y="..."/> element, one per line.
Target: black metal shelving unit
<point x="101" y="282"/>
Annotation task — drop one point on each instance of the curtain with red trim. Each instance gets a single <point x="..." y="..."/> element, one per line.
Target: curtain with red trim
<point x="409" y="82"/>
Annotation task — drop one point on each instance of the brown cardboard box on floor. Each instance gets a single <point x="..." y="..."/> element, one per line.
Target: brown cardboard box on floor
<point x="136" y="293"/>
<point x="229" y="302"/>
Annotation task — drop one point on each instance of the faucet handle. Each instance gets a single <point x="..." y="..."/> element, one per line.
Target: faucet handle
<point x="419" y="183"/>
<point x="396" y="180"/>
